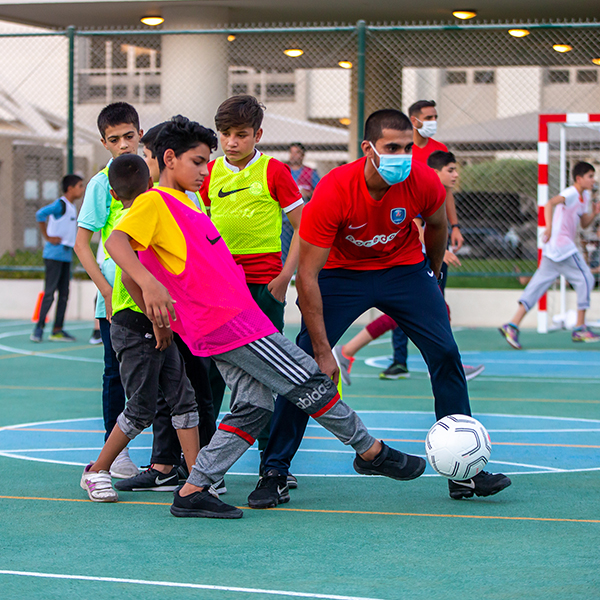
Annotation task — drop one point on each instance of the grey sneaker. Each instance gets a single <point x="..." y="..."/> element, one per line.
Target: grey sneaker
<point x="37" y="335"/>
<point x="472" y="372"/>
<point x="344" y="363"/>
<point x="395" y="371"/>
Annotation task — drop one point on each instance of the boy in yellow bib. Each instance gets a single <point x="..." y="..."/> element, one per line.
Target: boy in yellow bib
<point x="246" y="192"/>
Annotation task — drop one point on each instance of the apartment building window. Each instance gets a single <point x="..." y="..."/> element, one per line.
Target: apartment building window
<point x="455" y="78"/>
<point x="119" y="69"/>
<point x="558" y="76"/>
<point x="587" y="76"/>
<point x="484" y="77"/>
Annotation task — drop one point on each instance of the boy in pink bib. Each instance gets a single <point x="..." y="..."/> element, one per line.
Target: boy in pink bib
<point x="186" y="278"/>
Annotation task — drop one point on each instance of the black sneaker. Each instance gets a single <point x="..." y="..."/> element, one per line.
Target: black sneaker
<point x="272" y="489"/>
<point x="395" y="371"/>
<point x="483" y="484"/>
<point x="203" y="504"/>
<point x="391" y="463"/>
<point x="292" y="481"/>
<point x="182" y="472"/>
<point x="150" y="480"/>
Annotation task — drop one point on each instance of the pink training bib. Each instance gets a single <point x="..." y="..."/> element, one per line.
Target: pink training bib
<point x="215" y="310"/>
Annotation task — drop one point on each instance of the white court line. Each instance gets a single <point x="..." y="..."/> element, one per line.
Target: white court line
<point x="193" y="586"/>
<point x="408" y="430"/>
<point x="511" y="379"/>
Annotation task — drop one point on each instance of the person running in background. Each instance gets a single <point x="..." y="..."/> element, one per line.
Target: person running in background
<point x="444" y="164"/>
<point x="120" y="133"/>
<point x="58" y="225"/>
<point x="560" y="255"/>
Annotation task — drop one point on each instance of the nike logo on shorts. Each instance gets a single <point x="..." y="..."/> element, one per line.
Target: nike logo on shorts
<point x="213" y="242"/>
<point x="223" y="194"/>
<point x="430" y="273"/>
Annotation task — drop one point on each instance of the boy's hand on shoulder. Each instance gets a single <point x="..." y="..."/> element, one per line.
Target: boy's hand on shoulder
<point x="54" y="240"/>
<point x="596" y="207"/>
<point x="159" y="304"/>
<point x="278" y="287"/>
<point x="164" y="337"/>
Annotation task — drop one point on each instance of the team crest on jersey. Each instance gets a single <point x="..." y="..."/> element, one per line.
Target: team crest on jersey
<point x="397" y="215"/>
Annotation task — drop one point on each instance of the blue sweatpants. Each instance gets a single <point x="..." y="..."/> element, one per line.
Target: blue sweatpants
<point x="409" y="295"/>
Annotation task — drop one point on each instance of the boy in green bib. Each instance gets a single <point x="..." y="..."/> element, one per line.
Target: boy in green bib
<point x="246" y="192"/>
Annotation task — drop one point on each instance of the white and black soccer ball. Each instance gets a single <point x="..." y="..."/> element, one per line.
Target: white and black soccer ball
<point x="458" y="447"/>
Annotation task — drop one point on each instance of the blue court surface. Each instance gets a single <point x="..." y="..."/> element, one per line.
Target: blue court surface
<point x="522" y="444"/>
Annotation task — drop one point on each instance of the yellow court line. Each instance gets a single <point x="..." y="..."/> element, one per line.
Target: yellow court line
<point x="477" y="399"/>
<point x="48" y="389"/>
<point x="337" y="512"/>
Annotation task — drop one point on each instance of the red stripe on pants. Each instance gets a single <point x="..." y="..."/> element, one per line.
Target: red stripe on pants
<point x="326" y="407"/>
<point x="242" y="434"/>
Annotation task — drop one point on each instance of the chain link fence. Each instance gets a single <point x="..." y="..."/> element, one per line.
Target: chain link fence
<point x="317" y="84"/>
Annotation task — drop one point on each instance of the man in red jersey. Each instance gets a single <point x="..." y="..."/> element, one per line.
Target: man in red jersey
<point x="359" y="249"/>
<point x="423" y="116"/>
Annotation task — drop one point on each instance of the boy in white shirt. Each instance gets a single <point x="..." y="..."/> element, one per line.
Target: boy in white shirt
<point x="560" y="255"/>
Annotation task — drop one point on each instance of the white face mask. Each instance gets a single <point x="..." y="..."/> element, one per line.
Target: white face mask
<point x="428" y="128"/>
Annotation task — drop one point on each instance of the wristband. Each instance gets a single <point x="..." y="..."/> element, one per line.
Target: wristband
<point x="455" y="225"/>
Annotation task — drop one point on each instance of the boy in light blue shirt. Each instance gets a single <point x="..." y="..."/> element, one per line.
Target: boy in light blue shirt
<point x="57" y="223"/>
<point x="120" y="132"/>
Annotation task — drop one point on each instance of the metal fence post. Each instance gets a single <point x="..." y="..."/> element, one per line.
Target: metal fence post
<point x="71" y="101"/>
<point x="360" y="110"/>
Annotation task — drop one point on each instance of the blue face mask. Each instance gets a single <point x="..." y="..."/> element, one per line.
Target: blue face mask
<point x="393" y="168"/>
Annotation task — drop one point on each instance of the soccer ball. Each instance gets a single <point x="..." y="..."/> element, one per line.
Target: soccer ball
<point x="458" y="447"/>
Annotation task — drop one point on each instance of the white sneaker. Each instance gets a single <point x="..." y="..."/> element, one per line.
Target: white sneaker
<point x="98" y="485"/>
<point x="123" y="467"/>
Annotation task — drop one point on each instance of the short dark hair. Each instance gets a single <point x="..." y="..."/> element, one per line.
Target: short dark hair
<point x="581" y="169"/>
<point x="439" y="159"/>
<point x="388" y="118"/>
<point x="298" y="145"/>
<point x="128" y="176"/>
<point x="149" y="138"/>
<point x="240" y="111"/>
<point x="115" y="114"/>
<point x="416" y="108"/>
<point x="180" y="135"/>
<point x="69" y="181"/>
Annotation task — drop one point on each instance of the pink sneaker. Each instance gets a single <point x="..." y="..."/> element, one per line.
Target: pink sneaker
<point x="511" y="334"/>
<point x="583" y="334"/>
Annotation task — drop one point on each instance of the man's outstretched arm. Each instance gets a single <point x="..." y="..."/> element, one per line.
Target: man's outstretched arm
<point x="312" y="259"/>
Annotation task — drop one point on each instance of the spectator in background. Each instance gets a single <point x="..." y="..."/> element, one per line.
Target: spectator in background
<point x="306" y="179"/>
<point x="58" y="224"/>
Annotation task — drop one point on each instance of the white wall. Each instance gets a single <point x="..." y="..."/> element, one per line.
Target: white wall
<point x="469" y="308"/>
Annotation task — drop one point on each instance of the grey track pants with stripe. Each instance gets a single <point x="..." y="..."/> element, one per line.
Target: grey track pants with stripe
<point x="255" y="373"/>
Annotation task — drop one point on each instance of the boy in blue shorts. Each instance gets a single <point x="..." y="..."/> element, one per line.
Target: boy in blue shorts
<point x="178" y="247"/>
<point x="57" y="223"/>
<point x="120" y="133"/>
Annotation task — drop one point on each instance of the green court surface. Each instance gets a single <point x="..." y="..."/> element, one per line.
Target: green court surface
<point x="341" y="536"/>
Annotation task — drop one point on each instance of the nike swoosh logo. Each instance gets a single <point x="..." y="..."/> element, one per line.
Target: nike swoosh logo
<point x="213" y="242"/>
<point x="357" y="226"/>
<point x="280" y="490"/>
<point x="469" y="483"/>
<point x="223" y="194"/>
<point x="160" y="481"/>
